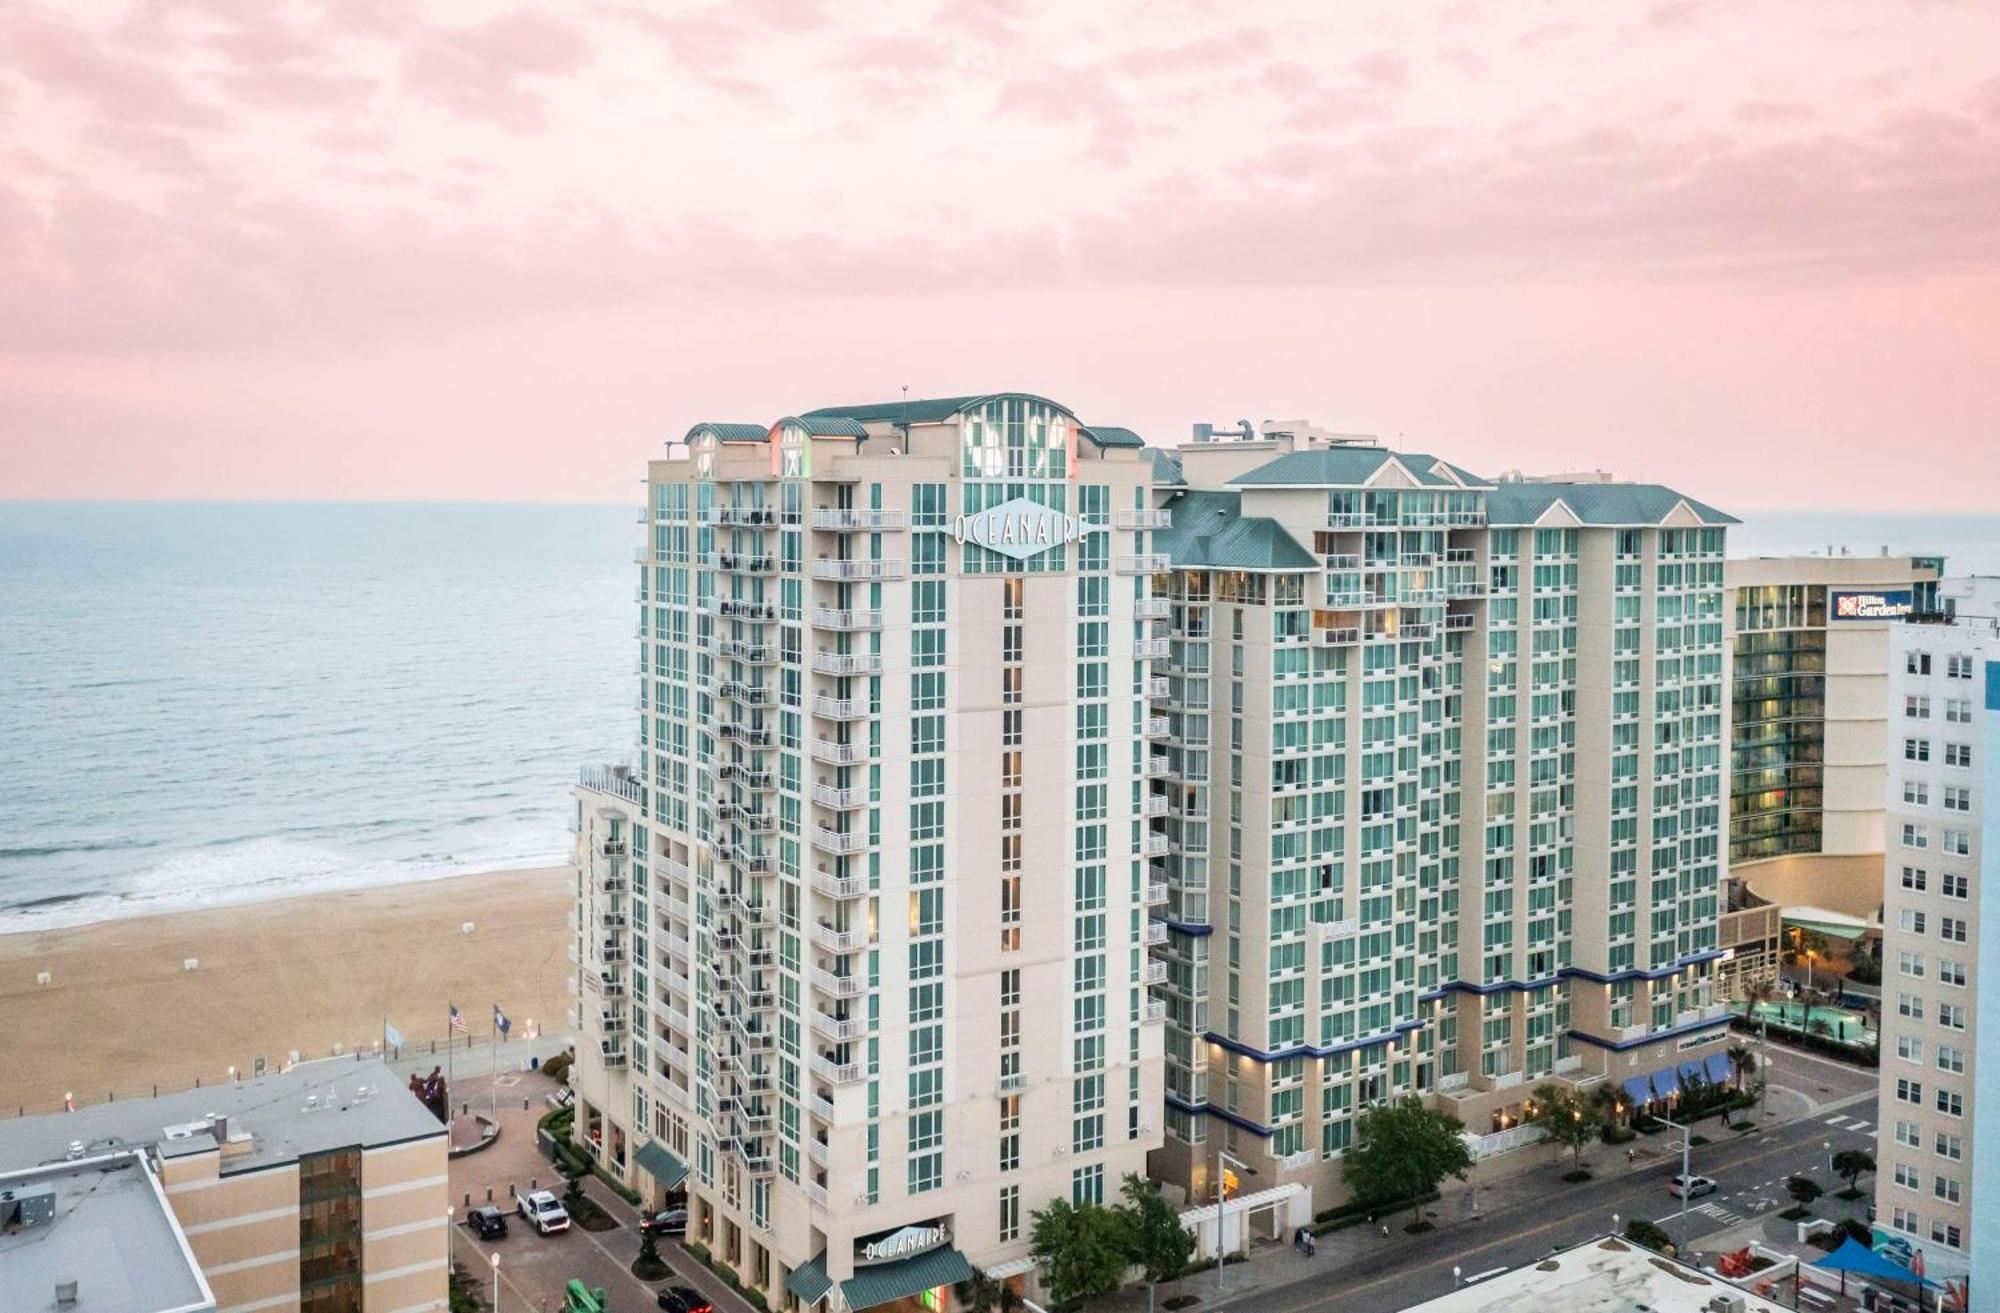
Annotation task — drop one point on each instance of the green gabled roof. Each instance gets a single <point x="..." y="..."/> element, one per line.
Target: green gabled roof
<point x="730" y="432"/>
<point x="1210" y="532"/>
<point x="1637" y="504"/>
<point x="809" y="1281"/>
<point x="885" y="1283"/>
<point x="827" y="426"/>
<point x="927" y="410"/>
<point x="1166" y="467"/>
<point x="1106" y="435"/>
<point x="1334" y="467"/>
<point x="668" y="1170"/>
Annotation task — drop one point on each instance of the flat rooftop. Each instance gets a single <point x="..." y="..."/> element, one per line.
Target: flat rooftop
<point x="1603" y="1276"/>
<point x="331" y="1104"/>
<point x="111" y="1232"/>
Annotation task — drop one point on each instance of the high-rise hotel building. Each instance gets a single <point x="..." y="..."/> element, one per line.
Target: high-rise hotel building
<point x="863" y="942"/>
<point x="1444" y="795"/>
<point x="1933" y="1194"/>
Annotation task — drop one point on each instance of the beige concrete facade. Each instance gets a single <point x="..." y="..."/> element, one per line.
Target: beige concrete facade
<point x="1445" y="769"/>
<point x="885" y="878"/>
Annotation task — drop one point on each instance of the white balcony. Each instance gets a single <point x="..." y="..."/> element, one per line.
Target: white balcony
<point x="1158" y="687"/>
<point x="1150" y="563"/>
<point x="1152" y="519"/>
<point x="821" y="1108"/>
<point x="1153" y="973"/>
<point x="731" y="608"/>
<point x="1153" y="845"/>
<point x="838" y="799"/>
<point x="839" y="1029"/>
<point x="836" y="940"/>
<point x="1156" y="931"/>
<point x="1155" y="727"/>
<point x="838" y="986"/>
<point x="827" y="708"/>
<point x="1156" y="893"/>
<point x="818" y="1151"/>
<point x="847" y="663"/>
<point x="847" y="519"/>
<point x="846" y="620"/>
<point x="1151" y="649"/>
<point x="1343" y="637"/>
<point x="840" y="842"/>
<point x="751" y="654"/>
<point x="1293" y="1162"/>
<point x="1154" y="1009"/>
<point x="1152" y="608"/>
<point x="1155" y="805"/>
<point x="1013" y="1084"/>
<point x="743" y="563"/>
<point x="835" y="1073"/>
<point x="851" y="570"/>
<point x="742" y="517"/>
<point x="829" y="885"/>
<point x="841" y="754"/>
<point x="749" y="777"/>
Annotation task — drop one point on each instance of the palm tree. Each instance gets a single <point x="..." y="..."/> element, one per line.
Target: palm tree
<point x="1742" y="1064"/>
<point x="1607" y="1103"/>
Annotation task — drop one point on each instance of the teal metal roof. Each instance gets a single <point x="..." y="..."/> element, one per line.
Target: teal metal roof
<point x="810" y="1281"/>
<point x="929" y="410"/>
<point x="730" y="432"/>
<point x="668" y="1170"/>
<point x="1166" y="467"/>
<point x="1637" y="504"/>
<point x="827" y="426"/>
<point x="1106" y="435"/>
<point x="1337" y="467"/>
<point x="885" y="1283"/>
<point x="1210" y="532"/>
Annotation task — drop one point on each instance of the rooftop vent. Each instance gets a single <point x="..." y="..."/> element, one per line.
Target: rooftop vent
<point x="65" y="1294"/>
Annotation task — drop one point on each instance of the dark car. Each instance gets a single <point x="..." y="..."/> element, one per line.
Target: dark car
<point x="685" y="1299"/>
<point x="668" y="1221"/>
<point x="488" y="1222"/>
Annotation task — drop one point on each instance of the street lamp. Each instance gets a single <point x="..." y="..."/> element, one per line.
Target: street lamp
<point x="1222" y="1202"/>
<point x="496" y="1282"/>
<point x="1687" y="1137"/>
<point x="450" y="1218"/>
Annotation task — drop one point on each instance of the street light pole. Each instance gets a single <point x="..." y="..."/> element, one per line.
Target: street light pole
<point x="1221" y="1202"/>
<point x="1687" y="1138"/>
<point x="496" y="1281"/>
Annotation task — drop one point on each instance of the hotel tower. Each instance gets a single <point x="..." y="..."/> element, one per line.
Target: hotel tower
<point x="863" y="943"/>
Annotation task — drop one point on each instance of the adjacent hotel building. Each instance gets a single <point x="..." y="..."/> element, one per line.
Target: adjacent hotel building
<point x="1933" y="1194"/>
<point x="1443" y="777"/>
<point x="317" y="1190"/>
<point x="862" y="944"/>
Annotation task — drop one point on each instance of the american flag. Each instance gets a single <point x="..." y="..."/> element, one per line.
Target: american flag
<point x="458" y="1022"/>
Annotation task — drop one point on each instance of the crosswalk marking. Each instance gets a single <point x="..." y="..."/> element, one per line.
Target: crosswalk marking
<point x="1860" y="1126"/>
<point x="1836" y="1119"/>
<point x="1719" y="1213"/>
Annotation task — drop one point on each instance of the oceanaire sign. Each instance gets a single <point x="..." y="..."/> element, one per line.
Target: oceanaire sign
<point x="1020" y="528"/>
<point x="1889" y="604"/>
<point x="906" y="1243"/>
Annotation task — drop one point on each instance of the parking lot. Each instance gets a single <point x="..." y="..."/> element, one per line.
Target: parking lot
<point x="535" y="1269"/>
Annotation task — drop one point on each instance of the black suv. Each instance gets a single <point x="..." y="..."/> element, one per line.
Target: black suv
<point x="488" y="1222"/>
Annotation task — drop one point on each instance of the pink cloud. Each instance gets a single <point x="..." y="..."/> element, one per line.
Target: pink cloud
<point x="487" y="71"/>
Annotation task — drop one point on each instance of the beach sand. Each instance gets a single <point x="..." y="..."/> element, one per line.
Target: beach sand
<point x="121" y="1015"/>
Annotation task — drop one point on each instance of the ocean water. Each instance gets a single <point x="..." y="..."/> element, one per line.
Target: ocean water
<point x="215" y="703"/>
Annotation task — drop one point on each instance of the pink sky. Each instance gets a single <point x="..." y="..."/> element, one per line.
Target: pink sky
<point x="471" y="251"/>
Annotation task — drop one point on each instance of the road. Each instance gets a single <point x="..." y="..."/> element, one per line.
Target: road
<point x="1749" y="1171"/>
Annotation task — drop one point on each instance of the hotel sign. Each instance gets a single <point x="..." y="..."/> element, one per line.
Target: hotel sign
<point x="1020" y="528"/>
<point x="1889" y="604"/>
<point x="906" y="1243"/>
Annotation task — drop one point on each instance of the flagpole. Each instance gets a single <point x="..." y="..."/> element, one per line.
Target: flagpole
<point x="450" y="1083"/>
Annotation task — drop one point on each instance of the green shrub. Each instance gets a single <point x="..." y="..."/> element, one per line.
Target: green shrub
<point x="558" y="1067"/>
<point x="1648" y="1236"/>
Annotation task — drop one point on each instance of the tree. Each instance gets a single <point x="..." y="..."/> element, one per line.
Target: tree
<point x="1560" y="1114"/>
<point x="1081" y="1250"/>
<point x="1742" y="1065"/>
<point x="1642" y="1232"/>
<point x="1853" y="1164"/>
<point x="1607" y="1103"/>
<point x="1154" y="1237"/>
<point x="1402" y="1151"/>
<point x="1802" y="1189"/>
<point x="978" y="1293"/>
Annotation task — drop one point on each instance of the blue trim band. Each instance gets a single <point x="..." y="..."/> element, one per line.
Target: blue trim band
<point x="1619" y="1046"/>
<point x="1210" y="1110"/>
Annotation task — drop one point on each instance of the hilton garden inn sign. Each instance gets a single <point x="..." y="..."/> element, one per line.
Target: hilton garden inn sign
<point x="1020" y="528"/>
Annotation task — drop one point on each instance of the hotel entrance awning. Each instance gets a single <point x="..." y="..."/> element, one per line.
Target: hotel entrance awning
<point x="883" y="1283"/>
<point x="668" y="1170"/>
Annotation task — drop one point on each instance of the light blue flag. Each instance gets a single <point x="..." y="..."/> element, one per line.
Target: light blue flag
<point x="391" y="1036"/>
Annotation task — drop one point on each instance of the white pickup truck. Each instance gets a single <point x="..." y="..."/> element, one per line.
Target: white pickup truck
<point x="542" y="1210"/>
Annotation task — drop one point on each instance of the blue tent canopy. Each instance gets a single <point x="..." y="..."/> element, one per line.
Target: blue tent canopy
<point x="1859" y="1259"/>
<point x="1639" y="1090"/>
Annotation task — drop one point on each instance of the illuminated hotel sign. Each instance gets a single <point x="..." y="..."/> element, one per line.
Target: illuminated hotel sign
<point x="1889" y="604"/>
<point x="906" y="1243"/>
<point x="1020" y="528"/>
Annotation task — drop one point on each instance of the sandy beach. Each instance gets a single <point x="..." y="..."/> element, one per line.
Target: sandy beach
<point x="121" y="1013"/>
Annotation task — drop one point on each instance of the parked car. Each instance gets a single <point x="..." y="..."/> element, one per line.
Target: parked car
<point x="487" y="1222"/>
<point x="1690" y="1187"/>
<point x="543" y="1211"/>
<point x="685" y="1299"/>
<point x="668" y="1221"/>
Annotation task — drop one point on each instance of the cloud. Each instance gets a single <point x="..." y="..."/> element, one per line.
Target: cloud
<point x="486" y="71"/>
<point x="69" y="63"/>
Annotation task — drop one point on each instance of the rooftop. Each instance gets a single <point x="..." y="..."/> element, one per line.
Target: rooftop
<point x="1603" y="1276"/>
<point x="316" y="1106"/>
<point x="103" y="1223"/>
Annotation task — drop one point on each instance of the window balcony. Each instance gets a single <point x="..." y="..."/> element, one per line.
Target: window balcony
<point x="1013" y="1084"/>
<point x="841" y="754"/>
<point x="1346" y="636"/>
<point x="743" y="859"/>
<point x="750" y="736"/>
<point x="610" y="984"/>
<point x="1149" y="519"/>
<point x="1155" y="727"/>
<point x="750" y="654"/>
<point x="741" y="563"/>
<point x="835" y="939"/>
<point x="1150" y="563"/>
<point x="1156" y="765"/>
<point x="742" y="517"/>
<point x="750" y="818"/>
<point x="612" y="1053"/>
<point x="855" y="570"/>
<point x="841" y="1030"/>
<point x="838" y="799"/>
<point x="613" y="920"/>
<point x="1153" y="845"/>
<point x="612" y="1022"/>
<point x="827" y="708"/>
<point x="1159" y="687"/>
<point x="847" y="663"/>
<point x="817" y="1150"/>
<point x="1460" y="621"/>
<point x="1153" y="1009"/>
<point x="753" y="914"/>
<point x="848" y="519"/>
<point x="749" y="777"/>
<point x="1156" y="893"/>
<point x="675" y="945"/>
<point x="820" y="1107"/>
<point x="1153" y="973"/>
<point x="731" y="608"/>
<point x="1152" y="608"/>
<point x="749" y="695"/>
<point x="1151" y="649"/>
<point x="835" y="1073"/>
<point x="829" y="885"/>
<point x="840" y="842"/>
<point x="836" y="985"/>
<point x="1156" y="804"/>
<point x="1156" y="931"/>
<point x="845" y="621"/>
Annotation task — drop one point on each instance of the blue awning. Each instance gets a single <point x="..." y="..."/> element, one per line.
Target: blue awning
<point x="1859" y="1259"/>
<point x="668" y="1170"/>
<point x="1718" y="1068"/>
<point x="1639" y="1090"/>
<point x="1666" y="1082"/>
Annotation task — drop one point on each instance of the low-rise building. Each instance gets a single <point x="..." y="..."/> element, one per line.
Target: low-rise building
<point x="317" y="1190"/>
<point x="1599" y="1277"/>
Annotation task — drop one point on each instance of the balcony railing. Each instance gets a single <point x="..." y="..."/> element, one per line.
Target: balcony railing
<point x="844" y="620"/>
<point x="1151" y="648"/>
<point x="839" y="1029"/>
<point x="839" y="708"/>
<point x="847" y="663"/>
<point x="835" y="939"/>
<point x="731" y="608"/>
<point x="1154" y="1009"/>
<point x="752" y="654"/>
<point x="827" y="795"/>
<point x="839" y="842"/>
<point x="1152" y="608"/>
<point x="1156" y="931"/>
<point x="835" y="1073"/>
<point x="836" y="985"/>
<point x="732" y="772"/>
<point x="847" y="519"/>
<point x="1156" y="893"/>
<point x="849" y="569"/>
<point x="1154" y="973"/>
<point x="829" y="885"/>
<point x="841" y="754"/>
<point x="742" y="563"/>
<point x="1151" y="519"/>
<point x="1150" y="563"/>
<point x="742" y="517"/>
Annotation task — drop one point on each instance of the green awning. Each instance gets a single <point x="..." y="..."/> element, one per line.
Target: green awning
<point x="810" y="1281"/>
<point x="886" y="1282"/>
<point x="668" y="1170"/>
